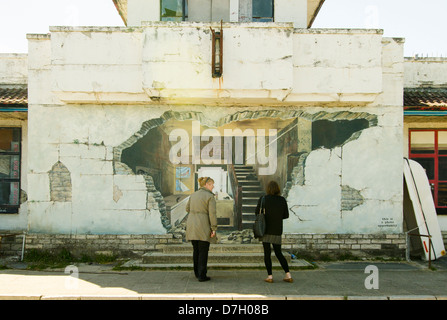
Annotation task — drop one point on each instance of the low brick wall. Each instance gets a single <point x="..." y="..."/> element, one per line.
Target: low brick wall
<point x="11" y="245"/>
<point x="78" y="245"/>
<point x="315" y="246"/>
<point x="335" y="246"/>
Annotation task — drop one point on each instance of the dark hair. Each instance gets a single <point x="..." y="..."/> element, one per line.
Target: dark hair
<point x="273" y="188"/>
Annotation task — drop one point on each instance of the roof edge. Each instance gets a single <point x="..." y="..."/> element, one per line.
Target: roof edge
<point x="315" y="13"/>
<point x="121" y="7"/>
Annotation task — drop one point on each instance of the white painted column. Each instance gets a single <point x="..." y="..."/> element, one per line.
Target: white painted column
<point x="234" y="10"/>
<point x="291" y="11"/>
<point x="245" y="10"/>
<point x="142" y="10"/>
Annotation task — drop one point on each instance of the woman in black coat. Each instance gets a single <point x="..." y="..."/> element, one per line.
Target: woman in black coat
<point x="276" y="210"/>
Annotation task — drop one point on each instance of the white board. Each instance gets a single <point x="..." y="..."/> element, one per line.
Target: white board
<point x="421" y="197"/>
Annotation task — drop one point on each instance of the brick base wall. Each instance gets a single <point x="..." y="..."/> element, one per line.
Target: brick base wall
<point x="336" y="246"/>
<point x="313" y="246"/>
<point x="78" y="245"/>
<point x="11" y="246"/>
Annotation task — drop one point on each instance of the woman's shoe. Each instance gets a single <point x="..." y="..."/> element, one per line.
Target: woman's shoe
<point x="269" y="280"/>
<point x="287" y="279"/>
<point x="205" y="279"/>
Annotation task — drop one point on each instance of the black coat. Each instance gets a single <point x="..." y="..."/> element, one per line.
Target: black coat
<point x="276" y="210"/>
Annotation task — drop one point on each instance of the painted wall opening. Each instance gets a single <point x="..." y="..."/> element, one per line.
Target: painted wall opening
<point x="329" y="134"/>
<point x="242" y="152"/>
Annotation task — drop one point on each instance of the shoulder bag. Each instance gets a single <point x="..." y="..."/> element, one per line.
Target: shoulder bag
<point x="259" y="225"/>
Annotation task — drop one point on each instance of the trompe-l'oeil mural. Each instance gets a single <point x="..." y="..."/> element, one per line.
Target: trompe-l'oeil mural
<point x="242" y="152"/>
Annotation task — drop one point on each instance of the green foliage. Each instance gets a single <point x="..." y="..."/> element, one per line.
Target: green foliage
<point x="41" y="259"/>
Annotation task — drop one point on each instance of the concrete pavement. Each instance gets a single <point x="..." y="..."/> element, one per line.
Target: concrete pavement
<point x="334" y="280"/>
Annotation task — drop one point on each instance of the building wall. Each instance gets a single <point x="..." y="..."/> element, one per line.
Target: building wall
<point x="13" y="69"/>
<point x="427" y="72"/>
<point x="13" y="74"/>
<point x="94" y="92"/>
<point x="19" y="221"/>
<point x="294" y="11"/>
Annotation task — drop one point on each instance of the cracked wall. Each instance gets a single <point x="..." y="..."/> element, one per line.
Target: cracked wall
<point x="350" y="198"/>
<point x="325" y="190"/>
<point x="60" y="183"/>
<point x="319" y="188"/>
<point x="114" y="97"/>
<point x="350" y="186"/>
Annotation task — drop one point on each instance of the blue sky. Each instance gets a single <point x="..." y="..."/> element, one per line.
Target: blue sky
<point x="421" y="23"/>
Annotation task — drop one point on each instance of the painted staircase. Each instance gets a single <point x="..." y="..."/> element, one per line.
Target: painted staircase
<point x="251" y="192"/>
<point x="226" y="255"/>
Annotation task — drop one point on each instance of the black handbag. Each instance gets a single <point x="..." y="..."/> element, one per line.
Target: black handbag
<point x="259" y="225"/>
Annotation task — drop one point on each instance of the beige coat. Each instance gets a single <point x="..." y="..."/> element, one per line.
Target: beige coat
<point x="202" y="217"/>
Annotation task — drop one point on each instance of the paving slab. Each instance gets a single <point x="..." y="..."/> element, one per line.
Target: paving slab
<point x="331" y="281"/>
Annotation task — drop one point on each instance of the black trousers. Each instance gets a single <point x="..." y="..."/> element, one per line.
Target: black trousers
<point x="200" y="258"/>
<point x="278" y="254"/>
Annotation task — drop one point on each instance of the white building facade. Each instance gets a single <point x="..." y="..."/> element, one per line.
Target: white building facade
<point x="318" y="110"/>
<point x="425" y="125"/>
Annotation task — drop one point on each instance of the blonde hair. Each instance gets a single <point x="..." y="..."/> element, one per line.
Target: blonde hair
<point x="204" y="180"/>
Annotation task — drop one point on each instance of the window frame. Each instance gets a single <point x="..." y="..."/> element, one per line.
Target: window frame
<point x="435" y="181"/>
<point x="13" y="208"/>
<point x="260" y="19"/>
<point x="184" y="11"/>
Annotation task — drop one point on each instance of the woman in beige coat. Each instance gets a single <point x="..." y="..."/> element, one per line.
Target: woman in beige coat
<point x="201" y="225"/>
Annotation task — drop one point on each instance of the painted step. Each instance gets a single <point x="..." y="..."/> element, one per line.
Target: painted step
<point x="246" y="183"/>
<point x="245" y="177"/>
<point x="249" y="207"/>
<point x="247" y="224"/>
<point x="250" y="200"/>
<point x="213" y="257"/>
<point x="242" y="166"/>
<point x="218" y="248"/>
<point x="257" y="189"/>
<point x="295" y="264"/>
<point x="230" y="256"/>
<point x="250" y="211"/>
<point x="248" y="217"/>
<point x="244" y="170"/>
<point x="252" y="194"/>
